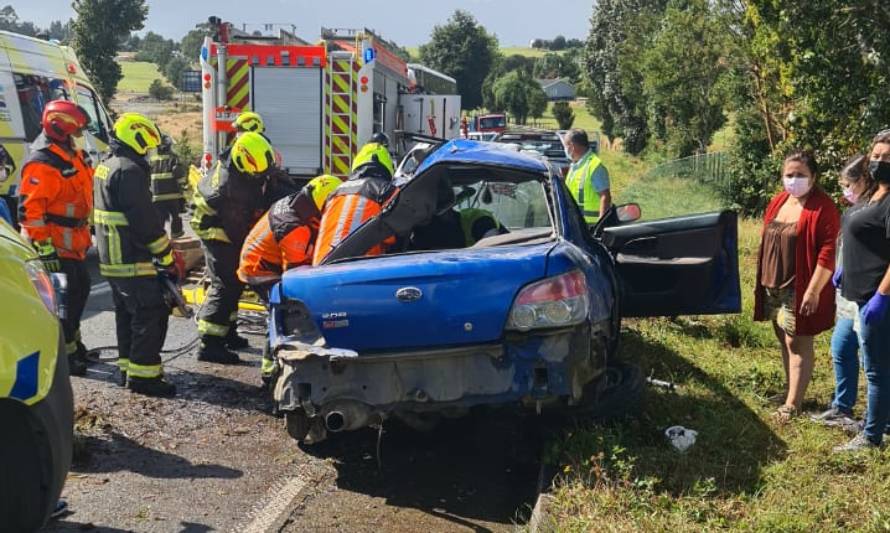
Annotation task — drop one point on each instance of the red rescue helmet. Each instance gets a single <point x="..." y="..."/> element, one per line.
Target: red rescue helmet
<point x="62" y="119"/>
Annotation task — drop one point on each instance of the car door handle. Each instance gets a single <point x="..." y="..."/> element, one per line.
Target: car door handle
<point x="643" y="245"/>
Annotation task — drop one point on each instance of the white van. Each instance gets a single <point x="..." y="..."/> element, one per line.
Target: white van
<point x="32" y="73"/>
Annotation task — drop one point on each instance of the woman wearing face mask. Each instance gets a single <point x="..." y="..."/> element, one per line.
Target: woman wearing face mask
<point x="795" y="264"/>
<point x="857" y="186"/>
<point x="866" y="281"/>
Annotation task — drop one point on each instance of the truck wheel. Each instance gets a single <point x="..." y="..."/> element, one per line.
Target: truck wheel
<point x="297" y="424"/>
<point x="616" y="394"/>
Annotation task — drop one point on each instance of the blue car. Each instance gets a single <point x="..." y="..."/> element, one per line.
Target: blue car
<point x="497" y="293"/>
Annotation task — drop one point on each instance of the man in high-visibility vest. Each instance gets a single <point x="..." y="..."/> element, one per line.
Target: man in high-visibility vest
<point x="358" y="200"/>
<point x="167" y="186"/>
<point x="587" y="179"/>
<point x="55" y="200"/>
<point x="134" y="251"/>
<point x="229" y="200"/>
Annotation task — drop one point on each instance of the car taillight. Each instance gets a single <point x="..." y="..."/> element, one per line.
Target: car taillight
<point x="551" y="303"/>
<point x="43" y="284"/>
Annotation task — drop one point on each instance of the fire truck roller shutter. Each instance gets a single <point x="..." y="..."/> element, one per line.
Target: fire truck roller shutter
<point x="290" y="102"/>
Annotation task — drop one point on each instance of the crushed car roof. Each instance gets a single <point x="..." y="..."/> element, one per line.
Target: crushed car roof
<point x="467" y="151"/>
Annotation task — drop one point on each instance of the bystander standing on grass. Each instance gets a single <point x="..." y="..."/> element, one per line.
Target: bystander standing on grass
<point x="858" y="186"/>
<point x="794" y="267"/>
<point x="866" y="281"/>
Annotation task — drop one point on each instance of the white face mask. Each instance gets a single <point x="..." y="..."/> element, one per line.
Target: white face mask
<point x="567" y="151"/>
<point x="797" y="186"/>
<point x="850" y="195"/>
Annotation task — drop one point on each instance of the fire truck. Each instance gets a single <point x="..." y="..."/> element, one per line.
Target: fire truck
<point x="320" y="102"/>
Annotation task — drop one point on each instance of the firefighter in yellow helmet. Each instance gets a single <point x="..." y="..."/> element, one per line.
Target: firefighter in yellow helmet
<point x="281" y="240"/>
<point x="133" y="251"/>
<point x="227" y="203"/>
<point x="249" y="121"/>
<point x="358" y="200"/>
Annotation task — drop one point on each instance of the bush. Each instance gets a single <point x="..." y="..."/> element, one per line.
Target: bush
<point x="564" y="115"/>
<point x="159" y="91"/>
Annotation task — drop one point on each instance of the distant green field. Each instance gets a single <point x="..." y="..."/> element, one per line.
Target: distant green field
<point x="507" y="51"/>
<point x="138" y="75"/>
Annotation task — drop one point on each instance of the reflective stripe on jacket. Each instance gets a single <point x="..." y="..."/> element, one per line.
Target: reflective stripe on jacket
<point x="579" y="181"/>
<point x="227" y="203"/>
<point x="56" y="197"/>
<point x="282" y="239"/>
<point x="167" y="178"/>
<point x="351" y="205"/>
<point x="129" y="233"/>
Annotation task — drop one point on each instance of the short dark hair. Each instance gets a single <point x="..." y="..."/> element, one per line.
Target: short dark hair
<point x="578" y="137"/>
<point x="807" y="157"/>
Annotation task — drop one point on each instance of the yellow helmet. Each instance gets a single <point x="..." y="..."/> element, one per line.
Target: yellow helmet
<point x="252" y="153"/>
<point x="137" y="132"/>
<point x="321" y="187"/>
<point x="249" y="121"/>
<point x="373" y="153"/>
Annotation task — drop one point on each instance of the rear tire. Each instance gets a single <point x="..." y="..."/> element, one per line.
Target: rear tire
<point x="298" y="424"/>
<point x="618" y="393"/>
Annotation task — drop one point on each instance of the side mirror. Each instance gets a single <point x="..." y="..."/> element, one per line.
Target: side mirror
<point x="629" y="213"/>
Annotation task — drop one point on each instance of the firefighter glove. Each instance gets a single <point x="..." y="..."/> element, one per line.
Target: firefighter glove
<point x="48" y="256"/>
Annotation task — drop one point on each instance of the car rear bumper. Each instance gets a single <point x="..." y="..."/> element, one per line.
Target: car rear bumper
<point x="526" y="368"/>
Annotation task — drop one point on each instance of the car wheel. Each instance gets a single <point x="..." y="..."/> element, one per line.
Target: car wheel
<point x="298" y="424"/>
<point x="617" y="393"/>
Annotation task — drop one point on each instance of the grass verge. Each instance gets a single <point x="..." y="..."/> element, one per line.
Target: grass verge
<point x="138" y="75"/>
<point x="746" y="470"/>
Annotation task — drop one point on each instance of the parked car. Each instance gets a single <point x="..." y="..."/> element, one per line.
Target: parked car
<point x="528" y="314"/>
<point x="482" y="135"/>
<point x="36" y="405"/>
<point x="544" y="142"/>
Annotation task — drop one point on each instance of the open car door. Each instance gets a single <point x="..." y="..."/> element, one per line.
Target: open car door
<point x="678" y="266"/>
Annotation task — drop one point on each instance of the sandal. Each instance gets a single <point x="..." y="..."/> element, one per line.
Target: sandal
<point x="785" y="413"/>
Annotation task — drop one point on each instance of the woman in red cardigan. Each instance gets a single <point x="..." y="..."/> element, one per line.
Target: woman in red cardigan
<point x="794" y="268"/>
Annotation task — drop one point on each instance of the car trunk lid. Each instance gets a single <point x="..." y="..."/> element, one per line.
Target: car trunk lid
<point x="433" y="299"/>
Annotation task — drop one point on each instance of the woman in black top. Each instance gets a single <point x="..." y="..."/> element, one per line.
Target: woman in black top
<point x="866" y="281"/>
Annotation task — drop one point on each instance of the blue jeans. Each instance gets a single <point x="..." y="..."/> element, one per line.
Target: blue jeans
<point x="845" y="356"/>
<point x="875" y="344"/>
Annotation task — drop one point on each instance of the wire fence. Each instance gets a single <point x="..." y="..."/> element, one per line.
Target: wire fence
<point x="711" y="168"/>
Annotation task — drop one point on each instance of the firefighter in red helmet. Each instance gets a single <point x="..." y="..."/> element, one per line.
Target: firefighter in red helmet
<point x="56" y="198"/>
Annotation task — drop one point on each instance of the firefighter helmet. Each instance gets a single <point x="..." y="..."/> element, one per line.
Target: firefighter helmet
<point x="322" y="187"/>
<point x="249" y="121"/>
<point x="137" y="132"/>
<point x="373" y="153"/>
<point x="252" y="154"/>
<point x="62" y="119"/>
<point x="380" y="138"/>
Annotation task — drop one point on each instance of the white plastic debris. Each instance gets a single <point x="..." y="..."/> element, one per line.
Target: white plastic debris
<point x="681" y="438"/>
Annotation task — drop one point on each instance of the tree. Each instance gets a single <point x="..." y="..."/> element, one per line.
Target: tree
<point x="559" y="43"/>
<point x="191" y="43"/>
<point x="174" y="68"/>
<point x="550" y="66"/>
<point x="537" y="99"/>
<point x="60" y="32"/>
<point x="564" y="115"/>
<point x="684" y="76"/>
<point x="464" y="50"/>
<point x="156" y="49"/>
<point x="519" y="95"/>
<point x="98" y="30"/>
<point x="9" y="21"/>
<point x="159" y="91"/>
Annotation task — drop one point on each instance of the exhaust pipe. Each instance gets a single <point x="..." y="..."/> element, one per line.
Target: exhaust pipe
<point x="346" y="416"/>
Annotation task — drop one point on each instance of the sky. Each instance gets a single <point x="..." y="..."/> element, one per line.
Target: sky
<point x="407" y="22"/>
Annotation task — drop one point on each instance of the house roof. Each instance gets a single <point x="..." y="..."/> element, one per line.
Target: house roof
<point x="545" y="83"/>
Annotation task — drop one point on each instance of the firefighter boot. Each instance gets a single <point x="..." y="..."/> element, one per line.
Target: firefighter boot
<point x="235" y="341"/>
<point x="151" y="387"/>
<point x="213" y="350"/>
<point x="77" y="366"/>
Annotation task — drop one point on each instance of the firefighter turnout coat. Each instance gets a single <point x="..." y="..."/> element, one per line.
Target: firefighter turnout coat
<point x="282" y="239"/>
<point x="227" y="203"/>
<point x="56" y="197"/>
<point x="167" y="178"/>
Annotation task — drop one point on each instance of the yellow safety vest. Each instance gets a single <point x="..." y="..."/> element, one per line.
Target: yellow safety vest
<point x="579" y="181"/>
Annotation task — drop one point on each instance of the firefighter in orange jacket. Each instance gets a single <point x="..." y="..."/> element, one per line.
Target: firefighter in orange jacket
<point x="55" y="201"/>
<point x="284" y="237"/>
<point x="358" y="200"/>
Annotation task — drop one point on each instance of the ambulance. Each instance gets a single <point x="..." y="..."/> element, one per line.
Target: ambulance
<point x="32" y="73"/>
<point x="320" y="102"/>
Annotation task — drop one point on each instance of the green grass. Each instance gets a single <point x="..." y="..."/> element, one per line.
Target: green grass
<point x="138" y="75"/>
<point x="746" y="471"/>
<point x="414" y="51"/>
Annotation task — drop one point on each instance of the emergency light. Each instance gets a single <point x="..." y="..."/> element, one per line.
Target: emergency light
<point x="370" y="55"/>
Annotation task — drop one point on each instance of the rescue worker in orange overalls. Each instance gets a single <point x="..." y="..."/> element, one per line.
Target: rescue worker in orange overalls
<point x="55" y="201"/>
<point x="281" y="240"/>
<point x="358" y="200"/>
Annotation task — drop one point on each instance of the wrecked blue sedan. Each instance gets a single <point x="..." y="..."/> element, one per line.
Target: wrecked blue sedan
<point x="496" y="293"/>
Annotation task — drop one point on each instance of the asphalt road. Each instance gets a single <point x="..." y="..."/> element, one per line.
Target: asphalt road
<point x="214" y="459"/>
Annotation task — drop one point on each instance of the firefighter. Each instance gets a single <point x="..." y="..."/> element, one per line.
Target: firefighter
<point x="167" y="186"/>
<point x="227" y="203"/>
<point x="281" y="240"/>
<point x="55" y="200"/>
<point x="134" y="251"/>
<point x="362" y="197"/>
<point x="249" y="121"/>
